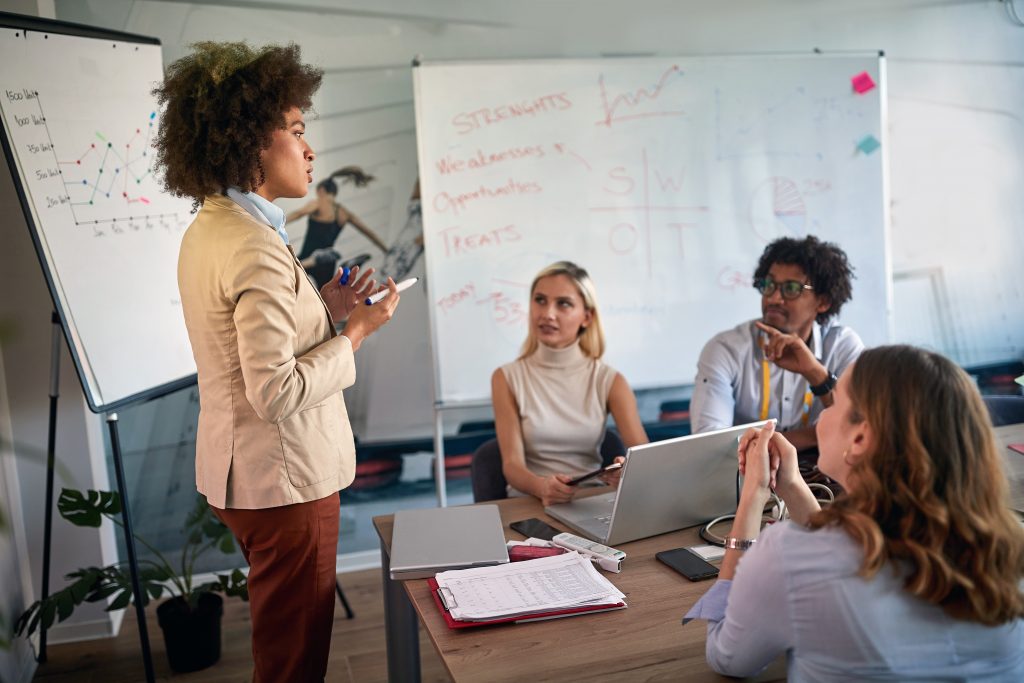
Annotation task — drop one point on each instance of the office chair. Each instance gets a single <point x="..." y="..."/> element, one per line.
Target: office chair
<point x="489" y="481"/>
<point x="1004" y="410"/>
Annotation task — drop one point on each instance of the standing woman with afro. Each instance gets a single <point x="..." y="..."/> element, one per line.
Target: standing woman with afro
<point x="274" y="444"/>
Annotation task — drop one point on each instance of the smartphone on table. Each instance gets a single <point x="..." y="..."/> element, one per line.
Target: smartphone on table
<point x="535" y="528"/>
<point x="590" y="475"/>
<point x="688" y="563"/>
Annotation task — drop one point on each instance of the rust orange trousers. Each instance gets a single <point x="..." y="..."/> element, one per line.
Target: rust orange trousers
<point x="291" y="551"/>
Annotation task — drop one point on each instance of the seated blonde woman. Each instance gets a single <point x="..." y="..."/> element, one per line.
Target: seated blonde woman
<point x="914" y="574"/>
<point x="551" y="405"/>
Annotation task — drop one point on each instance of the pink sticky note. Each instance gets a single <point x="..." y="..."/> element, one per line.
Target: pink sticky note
<point x="862" y="82"/>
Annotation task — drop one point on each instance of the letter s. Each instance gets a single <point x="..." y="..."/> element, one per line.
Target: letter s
<point x="463" y="123"/>
<point x="619" y="175"/>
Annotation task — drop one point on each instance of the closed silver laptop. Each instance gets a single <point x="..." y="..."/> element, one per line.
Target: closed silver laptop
<point x="433" y="540"/>
<point x="665" y="486"/>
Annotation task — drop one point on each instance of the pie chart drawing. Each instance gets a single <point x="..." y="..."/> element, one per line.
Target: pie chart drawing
<point x="777" y="209"/>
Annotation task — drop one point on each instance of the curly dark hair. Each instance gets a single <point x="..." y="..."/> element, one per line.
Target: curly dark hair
<point x="825" y="263"/>
<point x="220" y="107"/>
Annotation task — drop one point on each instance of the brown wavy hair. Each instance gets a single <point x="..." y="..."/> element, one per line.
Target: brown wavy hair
<point x="931" y="496"/>
<point x="220" y="107"/>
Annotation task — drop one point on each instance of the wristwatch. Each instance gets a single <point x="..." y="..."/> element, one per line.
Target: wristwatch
<point x="739" y="543"/>
<point x="828" y="385"/>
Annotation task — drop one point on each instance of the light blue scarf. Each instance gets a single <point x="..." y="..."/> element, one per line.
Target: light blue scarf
<point x="260" y="209"/>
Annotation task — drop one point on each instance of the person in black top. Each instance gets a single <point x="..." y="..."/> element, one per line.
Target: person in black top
<point x="326" y="219"/>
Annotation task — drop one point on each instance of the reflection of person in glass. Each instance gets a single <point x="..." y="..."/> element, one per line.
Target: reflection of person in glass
<point x="327" y="217"/>
<point x="274" y="444"/>
<point x="407" y="247"/>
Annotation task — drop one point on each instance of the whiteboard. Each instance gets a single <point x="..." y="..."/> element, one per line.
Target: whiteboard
<point x="664" y="178"/>
<point x="78" y="122"/>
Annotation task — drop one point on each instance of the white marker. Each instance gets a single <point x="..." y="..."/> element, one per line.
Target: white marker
<point x="382" y="294"/>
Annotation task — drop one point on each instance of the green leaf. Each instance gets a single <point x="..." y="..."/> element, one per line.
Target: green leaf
<point x="88" y="510"/>
<point x="102" y="593"/>
<point x="22" y="622"/>
<point x="121" y="601"/>
<point x="226" y="544"/>
<point x="49" y="612"/>
<point x="65" y="605"/>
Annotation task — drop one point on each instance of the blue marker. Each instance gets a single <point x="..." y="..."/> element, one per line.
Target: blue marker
<point x="401" y="287"/>
<point x="343" y="280"/>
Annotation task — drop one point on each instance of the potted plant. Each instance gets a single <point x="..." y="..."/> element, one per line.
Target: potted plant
<point x="190" y="620"/>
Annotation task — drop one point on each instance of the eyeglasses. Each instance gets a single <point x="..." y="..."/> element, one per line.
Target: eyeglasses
<point x="790" y="289"/>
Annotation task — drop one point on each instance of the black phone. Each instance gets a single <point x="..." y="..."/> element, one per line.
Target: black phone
<point x="688" y="563"/>
<point x="535" y="528"/>
<point x="590" y="475"/>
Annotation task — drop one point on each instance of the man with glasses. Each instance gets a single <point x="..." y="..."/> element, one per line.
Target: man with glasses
<point x="786" y="364"/>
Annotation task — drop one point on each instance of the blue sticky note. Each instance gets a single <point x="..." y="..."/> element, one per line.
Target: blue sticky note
<point x="869" y="144"/>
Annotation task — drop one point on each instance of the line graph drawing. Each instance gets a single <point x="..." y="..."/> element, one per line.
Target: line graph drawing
<point x="122" y="167"/>
<point x="108" y="184"/>
<point x="634" y="102"/>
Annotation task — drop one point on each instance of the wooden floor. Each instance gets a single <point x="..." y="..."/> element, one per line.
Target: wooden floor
<point x="357" y="649"/>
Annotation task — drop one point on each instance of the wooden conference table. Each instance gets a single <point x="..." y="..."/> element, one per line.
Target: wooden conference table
<point x="643" y="642"/>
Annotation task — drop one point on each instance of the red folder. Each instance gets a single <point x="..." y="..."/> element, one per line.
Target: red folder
<point x="540" y="616"/>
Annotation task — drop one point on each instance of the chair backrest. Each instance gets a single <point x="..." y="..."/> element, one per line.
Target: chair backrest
<point x="489" y="480"/>
<point x="485" y="472"/>
<point x="1005" y="410"/>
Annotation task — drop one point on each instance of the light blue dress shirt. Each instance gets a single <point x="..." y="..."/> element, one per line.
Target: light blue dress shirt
<point x="260" y="209"/>
<point x="797" y="592"/>
<point x="728" y="387"/>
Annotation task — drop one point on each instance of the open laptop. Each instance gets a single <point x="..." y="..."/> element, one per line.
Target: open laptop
<point x="665" y="486"/>
<point x="425" y="542"/>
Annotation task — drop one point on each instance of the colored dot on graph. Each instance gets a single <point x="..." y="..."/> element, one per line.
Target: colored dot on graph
<point x="124" y="194"/>
<point x="137" y="130"/>
<point x="84" y="183"/>
<point x="109" y="145"/>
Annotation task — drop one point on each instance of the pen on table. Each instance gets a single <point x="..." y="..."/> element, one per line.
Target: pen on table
<point x="401" y="286"/>
<point x="343" y="280"/>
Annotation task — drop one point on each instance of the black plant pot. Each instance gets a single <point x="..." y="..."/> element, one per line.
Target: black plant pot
<point x="192" y="637"/>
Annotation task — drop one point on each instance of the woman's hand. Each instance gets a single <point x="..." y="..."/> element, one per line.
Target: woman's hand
<point x="341" y="299"/>
<point x="365" y="320"/>
<point x="757" y="462"/>
<point x="787" y="468"/>
<point x="612" y="478"/>
<point x="555" y="489"/>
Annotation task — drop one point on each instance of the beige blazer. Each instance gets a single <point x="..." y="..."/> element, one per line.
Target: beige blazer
<point x="273" y="428"/>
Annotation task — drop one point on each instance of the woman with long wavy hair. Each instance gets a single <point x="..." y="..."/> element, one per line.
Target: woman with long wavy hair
<point x="913" y="574"/>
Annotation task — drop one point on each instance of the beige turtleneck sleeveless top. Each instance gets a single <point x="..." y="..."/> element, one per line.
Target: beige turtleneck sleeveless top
<point x="562" y="397"/>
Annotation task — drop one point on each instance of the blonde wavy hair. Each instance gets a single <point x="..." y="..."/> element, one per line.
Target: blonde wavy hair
<point x="592" y="336"/>
<point x="931" y="496"/>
